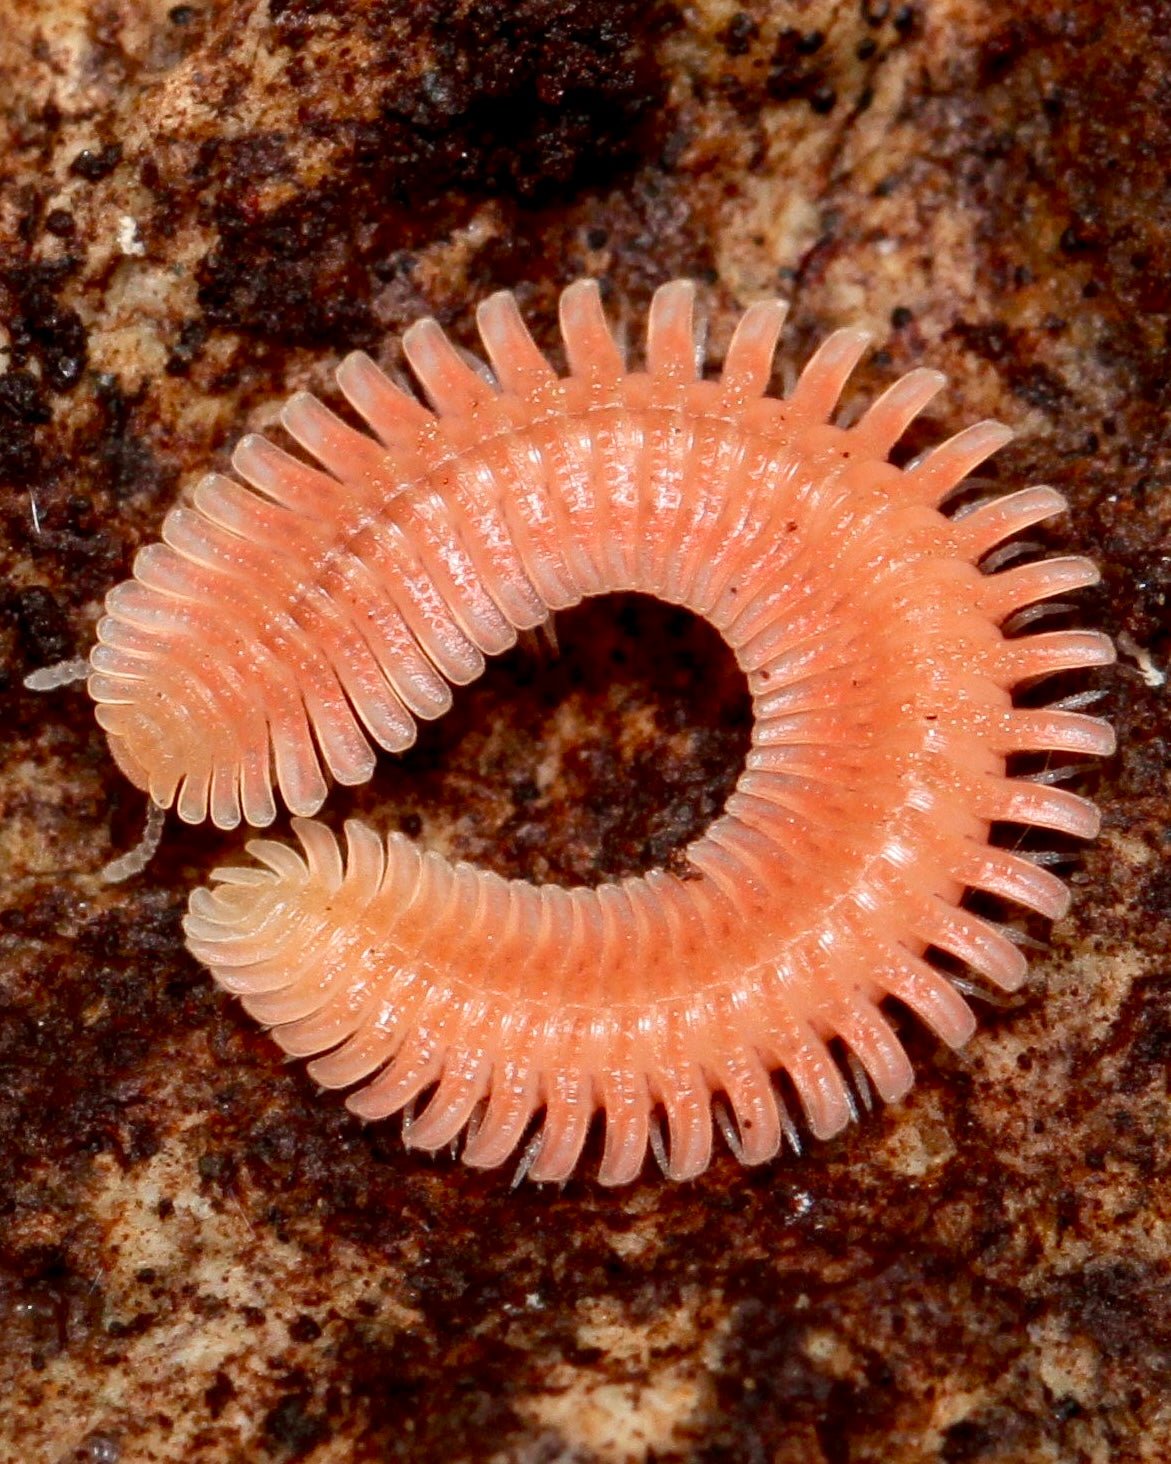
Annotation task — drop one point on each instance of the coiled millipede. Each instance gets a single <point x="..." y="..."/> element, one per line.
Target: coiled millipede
<point x="283" y="627"/>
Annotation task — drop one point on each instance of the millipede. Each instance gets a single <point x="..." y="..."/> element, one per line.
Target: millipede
<point x="308" y="611"/>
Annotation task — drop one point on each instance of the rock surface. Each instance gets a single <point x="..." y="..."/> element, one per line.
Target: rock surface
<point x="202" y="207"/>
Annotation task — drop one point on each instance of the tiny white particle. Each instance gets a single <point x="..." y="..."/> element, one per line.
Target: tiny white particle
<point x="1150" y="673"/>
<point x="128" y="240"/>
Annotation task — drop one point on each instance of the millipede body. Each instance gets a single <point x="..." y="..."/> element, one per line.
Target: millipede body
<point x="297" y="617"/>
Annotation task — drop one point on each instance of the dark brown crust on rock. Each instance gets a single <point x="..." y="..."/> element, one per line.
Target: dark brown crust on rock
<point x="201" y="207"/>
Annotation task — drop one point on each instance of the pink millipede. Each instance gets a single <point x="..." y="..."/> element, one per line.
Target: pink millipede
<point x="283" y="627"/>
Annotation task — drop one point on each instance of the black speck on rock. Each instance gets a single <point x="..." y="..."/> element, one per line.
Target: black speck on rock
<point x="42" y="625"/>
<point x="291" y="1429"/>
<point x="94" y="164"/>
<point x="40" y="325"/>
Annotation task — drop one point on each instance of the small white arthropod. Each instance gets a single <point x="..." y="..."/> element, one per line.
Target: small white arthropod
<point x="291" y="621"/>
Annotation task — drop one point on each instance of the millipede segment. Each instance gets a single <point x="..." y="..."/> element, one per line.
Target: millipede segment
<point x="285" y="629"/>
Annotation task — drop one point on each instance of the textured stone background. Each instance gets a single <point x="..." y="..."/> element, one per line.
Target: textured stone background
<point x="202" y="206"/>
